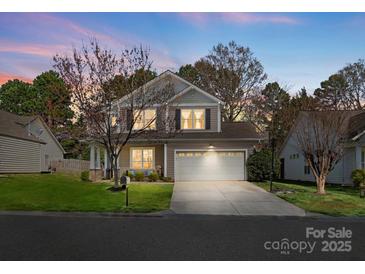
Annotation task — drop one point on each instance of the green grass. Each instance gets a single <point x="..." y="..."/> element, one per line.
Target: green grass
<point x="339" y="201"/>
<point x="59" y="192"/>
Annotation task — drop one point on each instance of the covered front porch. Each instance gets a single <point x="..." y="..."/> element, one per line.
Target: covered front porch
<point x="139" y="157"/>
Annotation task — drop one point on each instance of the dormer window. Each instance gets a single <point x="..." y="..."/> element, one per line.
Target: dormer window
<point x="192" y="119"/>
<point x="145" y="119"/>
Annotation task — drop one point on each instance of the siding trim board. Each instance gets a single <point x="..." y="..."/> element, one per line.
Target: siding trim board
<point x="19" y="138"/>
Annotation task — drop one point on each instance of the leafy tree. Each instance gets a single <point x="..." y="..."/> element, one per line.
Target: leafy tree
<point x="55" y="98"/>
<point x="354" y="75"/>
<point x="19" y="97"/>
<point x="344" y="90"/>
<point x="259" y="166"/>
<point x="232" y="74"/>
<point x="332" y="94"/>
<point x="191" y="74"/>
<point x="270" y="109"/>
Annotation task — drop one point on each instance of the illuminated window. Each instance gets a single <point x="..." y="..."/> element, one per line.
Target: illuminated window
<point x="145" y="119"/>
<point x="192" y="118"/>
<point x="142" y="158"/>
<point x="114" y="121"/>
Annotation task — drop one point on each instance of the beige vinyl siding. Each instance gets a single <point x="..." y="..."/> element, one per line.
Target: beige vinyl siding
<point x="124" y="157"/>
<point x="19" y="156"/>
<point x="193" y="97"/>
<point x="213" y="117"/>
<point x="202" y="145"/>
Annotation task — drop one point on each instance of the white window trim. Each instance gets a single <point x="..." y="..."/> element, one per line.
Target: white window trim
<point x="144" y="119"/>
<point x="193" y="119"/>
<point x="139" y="148"/>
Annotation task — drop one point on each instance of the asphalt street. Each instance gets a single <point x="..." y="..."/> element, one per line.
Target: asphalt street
<point x="172" y="237"/>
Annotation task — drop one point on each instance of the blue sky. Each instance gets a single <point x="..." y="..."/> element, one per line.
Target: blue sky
<point x="296" y="49"/>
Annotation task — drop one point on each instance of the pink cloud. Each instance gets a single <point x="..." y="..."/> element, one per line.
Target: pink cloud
<point x="65" y="33"/>
<point x="4" y="77"/>
<point x="70" y="26"/>
<point x="239" y="18"/>
<point x="250" y="18"/>
<point x="30" y="48"/>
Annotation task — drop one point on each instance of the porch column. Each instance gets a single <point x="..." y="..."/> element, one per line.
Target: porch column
<point x="92" y="156"/>
<point x="358" y="157"/>
<point x="165" y="160"/>
<point x="97" y="164"/>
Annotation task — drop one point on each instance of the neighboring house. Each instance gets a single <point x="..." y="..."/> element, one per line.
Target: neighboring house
<point x="294" y="166"/>
<point x="27" y="145"/>
<point x="203" y="148"/>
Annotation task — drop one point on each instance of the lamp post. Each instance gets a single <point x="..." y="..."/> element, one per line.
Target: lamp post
<point x="272" y="146"/>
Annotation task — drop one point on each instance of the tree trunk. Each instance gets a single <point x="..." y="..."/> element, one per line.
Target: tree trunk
<point x="321" y="181"/>
<point x="116" y="175"/>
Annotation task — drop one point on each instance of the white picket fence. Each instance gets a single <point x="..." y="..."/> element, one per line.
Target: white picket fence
<point x="70" y="165"/>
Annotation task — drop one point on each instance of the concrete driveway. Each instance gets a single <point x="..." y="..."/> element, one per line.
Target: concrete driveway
<point x="228" y="198"/>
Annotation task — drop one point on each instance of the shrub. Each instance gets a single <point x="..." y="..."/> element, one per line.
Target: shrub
<point x="358" y="177"/>
<point x="259" y="166"/>
<point x="153" y="177"/>
<point x="85" y="176"/>
<point x="139" y="176"/>
<point x="167" y="179"/>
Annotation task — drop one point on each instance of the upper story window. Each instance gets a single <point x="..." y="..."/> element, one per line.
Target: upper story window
<point x="114" y="120"/>
<point x="192" y="119"/>
<point x="145" y="119"/>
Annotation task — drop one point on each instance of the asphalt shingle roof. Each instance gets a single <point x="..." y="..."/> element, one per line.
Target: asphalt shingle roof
<point x="16" y="126"/>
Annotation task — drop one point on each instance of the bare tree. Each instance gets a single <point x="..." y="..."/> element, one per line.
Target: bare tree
<point x="320" y="136"/>
<point x="232" y="74"/>
<point x="111" y="122"/>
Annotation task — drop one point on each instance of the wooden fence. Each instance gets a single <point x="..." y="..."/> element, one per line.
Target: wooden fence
<point x="70" y="165"/>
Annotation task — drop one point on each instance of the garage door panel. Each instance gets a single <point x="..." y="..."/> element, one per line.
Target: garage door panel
<point x="208" y="165"/>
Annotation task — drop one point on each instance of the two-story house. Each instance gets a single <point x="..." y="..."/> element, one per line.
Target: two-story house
<point x="203" y="148"/>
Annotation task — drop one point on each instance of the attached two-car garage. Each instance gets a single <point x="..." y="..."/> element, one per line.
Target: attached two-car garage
<point x="201" y="165"/>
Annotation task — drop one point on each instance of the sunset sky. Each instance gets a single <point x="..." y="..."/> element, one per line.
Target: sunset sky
<point x="296" y="49"/>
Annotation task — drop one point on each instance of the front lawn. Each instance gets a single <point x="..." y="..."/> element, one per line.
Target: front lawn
<point x="59" y="192"/>
<point x="339" y="201"/>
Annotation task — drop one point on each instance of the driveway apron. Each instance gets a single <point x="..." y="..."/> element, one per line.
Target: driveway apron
<point x="228" y="198"/>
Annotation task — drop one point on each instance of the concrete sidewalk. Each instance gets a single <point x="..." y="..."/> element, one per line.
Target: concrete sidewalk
<point x="228" y="198"/>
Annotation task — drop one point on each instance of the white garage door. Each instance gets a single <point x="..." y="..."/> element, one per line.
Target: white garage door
<point x="209" y="165"/>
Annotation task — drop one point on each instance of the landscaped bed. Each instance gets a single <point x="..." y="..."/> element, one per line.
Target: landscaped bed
<point x="339" y="201"/>
<point x="59" y="192"/>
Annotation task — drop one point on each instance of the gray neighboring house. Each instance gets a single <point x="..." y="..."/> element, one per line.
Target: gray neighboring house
<point x="294" y="166"/>
<point x="205" y="147"/>
<point x="27" y="145"/>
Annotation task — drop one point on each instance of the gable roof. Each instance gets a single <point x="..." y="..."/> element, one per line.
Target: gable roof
<point x="170" y="73"/>
<point x="51" y="133"/>
<point x="16" y="126"/>
<point x="355" y="123"/>
<point x="357" y="126"/>
<point x="13" y="125"/>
